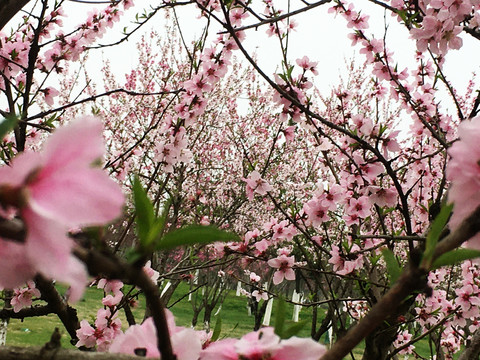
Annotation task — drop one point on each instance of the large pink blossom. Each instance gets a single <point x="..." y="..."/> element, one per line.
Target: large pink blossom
<point x="284" y="265"/>
<point x="53" y="191"/>
<point x="107" y="328"/>
<point x="255" y="184"/>
<point x="463" y="171"/>
<point x="186" y="343"/>
<point x="263" y="344"/>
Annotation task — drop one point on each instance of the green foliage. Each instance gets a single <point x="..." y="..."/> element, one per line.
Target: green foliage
<point x="455" y="256"/>
<point x="283" y="328"/>
<point x="7" y="125"/>
<point x="434" y="234"/>
<point x="150" y="228"/>
<point x="145" y="214"/>
<point x="217" y="330"/>
<point x="194" y="234"/>
<point x="393" y="267"/>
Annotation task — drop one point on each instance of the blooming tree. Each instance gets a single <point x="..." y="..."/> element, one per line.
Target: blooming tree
<point x="349" y="193"/>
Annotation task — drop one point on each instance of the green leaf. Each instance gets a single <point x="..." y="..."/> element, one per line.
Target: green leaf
<point x="293" y="329"/>
<point x="132" y="255"/>
<point x="194" y="234"/>
<point x="145" y="215"/>
<point x="280" y="314"/>
<point x="437" y="227"/>
<point x="7" y="125"/>
<point x="455" y="256"/>
<point x="393" y="267"/>
<point x="217" y="329"/>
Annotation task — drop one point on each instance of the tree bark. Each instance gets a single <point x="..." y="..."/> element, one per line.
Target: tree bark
<point x="472" y="350"/>
<point x="8" y="9"/>
<point x="36" y="353"/>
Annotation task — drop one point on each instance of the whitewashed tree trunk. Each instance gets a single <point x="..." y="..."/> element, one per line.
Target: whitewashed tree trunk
<point x="330" y="335"/>
<point x="296" y="308"/>
<point x="239" y="288"/>
<point x="3" y="332"/>
<point x="268" y="313"/>
<point x="167" y="286"/>
<point x="218" y="310"/>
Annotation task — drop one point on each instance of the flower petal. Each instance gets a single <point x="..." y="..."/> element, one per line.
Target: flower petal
<point x="77" y="197"/>
<point x="15" y="269"/>
<point x="78" y="144"/>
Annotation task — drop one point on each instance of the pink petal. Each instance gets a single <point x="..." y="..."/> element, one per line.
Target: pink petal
<point x="179" y="341"/>
<point x="274" y="263"/>
<point x="278" y="277"/>
<point x="15" y="269"/>
<point x="137" y="336"/>
<point x="22" y="166"/>
<point x="289" y="274"/>
<point x="49" y="252"/>
<point x="47" y="246"/>
<point x="78" y="197"/>
<point x="297" y="348"/>
<point x="76" y="276"/>
<point x="78" y="144"/>
<point x="220" y="350"/>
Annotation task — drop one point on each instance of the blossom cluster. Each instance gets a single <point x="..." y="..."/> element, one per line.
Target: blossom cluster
<point x="40" y="188"/>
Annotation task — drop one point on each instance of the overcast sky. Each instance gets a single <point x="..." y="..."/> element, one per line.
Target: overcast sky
<point x="321" y="36"/>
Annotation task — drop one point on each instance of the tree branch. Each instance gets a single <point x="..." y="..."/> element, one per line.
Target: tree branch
<point x="35" y="353"/>
<point x="8" y="9"/>
<point x="472" y="350"/>
<point x="413" y="279"/>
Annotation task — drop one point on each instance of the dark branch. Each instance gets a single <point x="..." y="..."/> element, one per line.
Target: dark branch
<point x="8" y="9"/>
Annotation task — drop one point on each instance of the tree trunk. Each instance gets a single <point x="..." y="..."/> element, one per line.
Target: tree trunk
<point x="207" y="316"/>
<point x="379" y="342"/>
<point x="36" y="353"/>
<point x="8" y="294"/>
<point x="8" y="9"/>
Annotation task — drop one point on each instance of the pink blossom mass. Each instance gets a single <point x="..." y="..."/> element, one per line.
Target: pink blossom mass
<point x="42" y="188"/>
<point x="292" y="158"/>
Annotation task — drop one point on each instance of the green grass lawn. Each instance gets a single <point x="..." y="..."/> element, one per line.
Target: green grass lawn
<point x="235" y="320"/>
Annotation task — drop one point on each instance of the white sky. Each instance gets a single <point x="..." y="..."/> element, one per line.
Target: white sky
<point x="320" y="35"/>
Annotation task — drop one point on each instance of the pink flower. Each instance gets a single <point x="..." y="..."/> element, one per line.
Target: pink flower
<point x="306" y="64"/>
<point x="49" y="93"/>
<point x="86" y="335"/>
<point x="342" y="266"/>
<point x="463" y="171"/>
<point x="54" y="191"/>
<point x="254" y="277"/>
<point x="152" y="274"/>
<point x="284" y="265"/>
<point x="23" y="296"/>
<point x="145" y="336"/>
<point x="110" y="286"/>
<point x="255" y="184"/>
<point x="263" y="344"/>
<point x="259" y="295"/>
<point x="107" y="328"/>
<point x="317" y="211"/>
<point x="289" y="133"/>
<point x="383" y="197"/>
<point x="112" y="300"/>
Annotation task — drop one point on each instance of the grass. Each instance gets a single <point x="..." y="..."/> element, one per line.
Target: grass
<point x="235" y="320"/>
